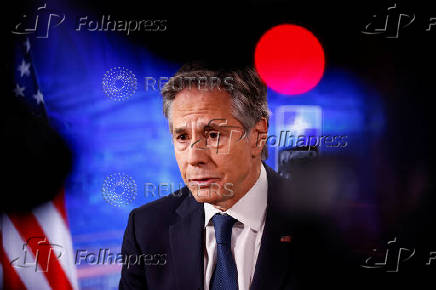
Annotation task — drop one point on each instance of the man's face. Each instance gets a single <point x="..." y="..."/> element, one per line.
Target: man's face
<point x="214" y="157"/>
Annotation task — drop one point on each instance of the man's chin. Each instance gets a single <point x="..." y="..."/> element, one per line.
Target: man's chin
<point x="208" y="195"/>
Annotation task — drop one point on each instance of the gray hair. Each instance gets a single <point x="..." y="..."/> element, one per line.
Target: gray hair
<point x="247" y="90"/>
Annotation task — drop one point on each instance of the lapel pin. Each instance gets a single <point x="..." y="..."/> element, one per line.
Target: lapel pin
<point x="285" y="239"/>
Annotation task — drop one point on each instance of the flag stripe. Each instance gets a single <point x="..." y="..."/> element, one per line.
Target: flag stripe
<point x="13" y="281"/>
<point x="48" y="214"/>
<point x="13" y="249"/>
<point x="28" y="227"/>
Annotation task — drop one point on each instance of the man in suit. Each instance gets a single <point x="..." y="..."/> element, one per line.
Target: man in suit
<point x="233" y="226"/>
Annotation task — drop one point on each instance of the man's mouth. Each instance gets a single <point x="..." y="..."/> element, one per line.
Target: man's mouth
<point x="203" y="182"/>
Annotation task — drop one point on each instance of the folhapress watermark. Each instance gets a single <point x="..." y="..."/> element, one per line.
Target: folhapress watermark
<point x="39" y="23"/>
<point x="42" y="20"/>
<point x="106" y="257"/>
<point x="108" y="23"/>
<point x="395" y="255"/>
<point x="300" y="141"/>
<point x="393" y="21"/>
<point x="42" y="254"/>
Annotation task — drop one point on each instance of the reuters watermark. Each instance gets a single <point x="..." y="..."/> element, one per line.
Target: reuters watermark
<point x="196" y="188"/>
<point x="185" y="82"/>
<point x="119" y="83"/>
<point x="119" y="189"/>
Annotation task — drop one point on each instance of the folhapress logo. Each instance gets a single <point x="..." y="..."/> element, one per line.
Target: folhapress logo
<point x="393" y="20"/>
<point x="43" y="20"/>
<point x="40" y="23"/>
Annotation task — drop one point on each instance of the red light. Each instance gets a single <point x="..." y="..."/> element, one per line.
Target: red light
<point x="289" y="59"/>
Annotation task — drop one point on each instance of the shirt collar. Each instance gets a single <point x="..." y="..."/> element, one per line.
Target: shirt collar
<point x="250" y="209"/>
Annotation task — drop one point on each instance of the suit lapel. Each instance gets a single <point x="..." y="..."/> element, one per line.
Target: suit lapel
<point x="273" y="259"/>
<point x="186" y="242"/>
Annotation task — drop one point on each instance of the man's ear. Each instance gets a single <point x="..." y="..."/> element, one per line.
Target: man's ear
<point x="258" y="137"/>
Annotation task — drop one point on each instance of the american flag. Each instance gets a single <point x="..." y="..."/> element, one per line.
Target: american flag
<point x="35" y="247"/>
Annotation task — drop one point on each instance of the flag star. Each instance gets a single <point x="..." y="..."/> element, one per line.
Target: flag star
<point x="23" y="68"/>
<point x="39" y="97"/>
<point x="19" y="91"/>
<point x="27" y="45"/>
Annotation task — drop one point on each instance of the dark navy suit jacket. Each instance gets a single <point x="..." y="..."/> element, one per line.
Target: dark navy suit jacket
<point x="169" y="234"/>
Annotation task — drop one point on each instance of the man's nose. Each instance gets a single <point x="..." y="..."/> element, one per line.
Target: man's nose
<point x="198" y="151"/>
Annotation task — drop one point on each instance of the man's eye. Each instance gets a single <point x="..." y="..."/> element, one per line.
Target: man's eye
<point x="182" y="137"/>
<point x="213" y="135"/>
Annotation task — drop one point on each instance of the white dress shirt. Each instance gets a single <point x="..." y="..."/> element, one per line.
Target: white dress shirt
<point x="246" y="232"/>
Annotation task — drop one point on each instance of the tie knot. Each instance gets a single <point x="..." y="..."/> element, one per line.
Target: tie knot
<point x="223" y="228"/>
